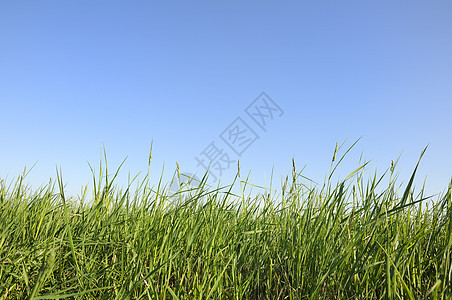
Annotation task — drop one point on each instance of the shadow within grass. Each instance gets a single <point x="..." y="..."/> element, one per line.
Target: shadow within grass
<point x="341" y="241"/>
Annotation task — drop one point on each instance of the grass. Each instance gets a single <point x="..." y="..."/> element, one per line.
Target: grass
<point x="352" y="239"/>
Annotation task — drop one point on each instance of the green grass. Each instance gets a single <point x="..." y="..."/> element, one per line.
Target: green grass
<point x="351" y="239"/>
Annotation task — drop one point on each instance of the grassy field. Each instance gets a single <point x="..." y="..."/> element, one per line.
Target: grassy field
<point x="352" y="239"/>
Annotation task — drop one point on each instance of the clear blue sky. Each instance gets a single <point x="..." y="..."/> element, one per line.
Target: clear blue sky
<point x="77" y="75"/>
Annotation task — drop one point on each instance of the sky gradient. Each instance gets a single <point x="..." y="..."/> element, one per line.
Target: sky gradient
<point x="78" y="76"/>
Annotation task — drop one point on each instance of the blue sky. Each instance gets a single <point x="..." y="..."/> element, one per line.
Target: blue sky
<point x="77" y="76"/>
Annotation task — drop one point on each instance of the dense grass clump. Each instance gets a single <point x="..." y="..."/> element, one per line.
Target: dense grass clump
<point x="353" y="239"/>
